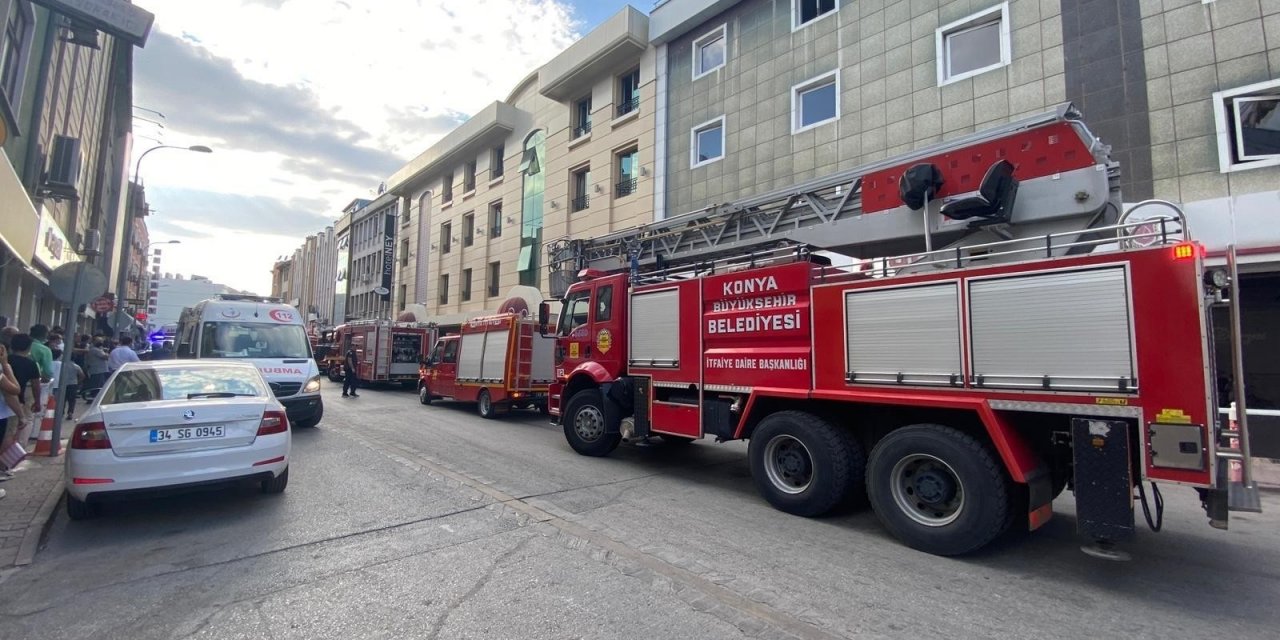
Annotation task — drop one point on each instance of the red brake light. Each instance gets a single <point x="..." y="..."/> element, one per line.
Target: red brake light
<point x="1184" y="251"/>
<point x="90" y="435"/>
<point x="273" y="422"/>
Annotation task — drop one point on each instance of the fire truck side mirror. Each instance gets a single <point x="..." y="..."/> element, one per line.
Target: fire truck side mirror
<point x="544" y="316"/>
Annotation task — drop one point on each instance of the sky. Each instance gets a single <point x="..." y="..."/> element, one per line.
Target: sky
<point x="309" y="104"/>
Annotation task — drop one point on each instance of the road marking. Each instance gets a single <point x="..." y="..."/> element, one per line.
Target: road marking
<point x="723" y="595"/>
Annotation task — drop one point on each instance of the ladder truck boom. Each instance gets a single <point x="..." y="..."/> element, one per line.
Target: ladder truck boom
<point x="1066" y="181"/>
<point x="1033" y="339"/>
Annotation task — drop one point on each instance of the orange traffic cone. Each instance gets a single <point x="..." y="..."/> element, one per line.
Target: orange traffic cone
<point x="44" y="441"/>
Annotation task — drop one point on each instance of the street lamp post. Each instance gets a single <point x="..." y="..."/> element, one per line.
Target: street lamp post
<point x="126" y="249"/>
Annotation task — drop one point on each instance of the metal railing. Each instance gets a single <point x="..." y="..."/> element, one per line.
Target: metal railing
<point x="581" y="130"/>
<point x="626" y="187"/>
<point x="627" y="106"/>
<point x="581" y="202"/>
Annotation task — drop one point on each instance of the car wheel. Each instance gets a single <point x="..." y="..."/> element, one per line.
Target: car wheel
<point x="803" y="464"/>
<point x="424" y="394"/>
<point x="334" y="375"/>
<point x="938" y="490"/>
<point x="79" y="509"/>
<point x="484" y="405"/>
<point x="276" y="484"/>
<point x="585" y="427"/>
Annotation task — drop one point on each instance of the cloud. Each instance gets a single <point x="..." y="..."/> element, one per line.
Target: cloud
<point x="205" y="95"/>
<point x="186" y="210"/>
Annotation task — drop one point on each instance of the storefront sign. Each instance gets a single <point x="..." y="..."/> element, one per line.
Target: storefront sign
<point x="388" y="256"/>
<point x="121" y="19"/>
<point x="52" y="248"/>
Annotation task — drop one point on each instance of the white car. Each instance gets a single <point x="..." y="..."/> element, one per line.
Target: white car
<point x="166" y="426"/>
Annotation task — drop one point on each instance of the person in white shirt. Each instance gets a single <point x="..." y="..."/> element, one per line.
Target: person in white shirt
<point x="121" y="354"/>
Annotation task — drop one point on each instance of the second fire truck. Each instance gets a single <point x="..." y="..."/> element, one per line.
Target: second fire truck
<point x="1041" y="341"/>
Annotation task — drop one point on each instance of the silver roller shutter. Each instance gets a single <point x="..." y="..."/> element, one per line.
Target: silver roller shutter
<point x="543" y="360"/>
<point x="909" y="335"/>
<point x="655" y="328"/>
<point x="495" y="356"/>
<point x="1067" y="330"/>
<point x="469" y="358"/>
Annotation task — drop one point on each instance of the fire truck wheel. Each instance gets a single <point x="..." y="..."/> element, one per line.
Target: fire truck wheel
<point x="802" y="464"/>
<point x="585" y="427"/>
<point x="484" y="405"/>
<point x="424" y="394"/>
<point x="334" y="374"/>
<point x="938" y="490"/>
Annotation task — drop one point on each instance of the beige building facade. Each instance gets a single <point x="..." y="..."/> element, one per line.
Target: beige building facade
<point x="569" y="153"/>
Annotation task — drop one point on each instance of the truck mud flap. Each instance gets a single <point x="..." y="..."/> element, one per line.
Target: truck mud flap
<point x="617" y="403"/>
<point x="1104" y="478"/>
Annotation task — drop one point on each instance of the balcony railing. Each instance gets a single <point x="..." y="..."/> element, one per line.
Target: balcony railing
<point x="581" y="130"/>
<point x="627" y="106"/>
<point x="626" y="187"/>
<point x="581" y="202"/>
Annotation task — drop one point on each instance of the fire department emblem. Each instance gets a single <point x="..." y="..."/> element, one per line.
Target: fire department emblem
<point x="604" y="341"/>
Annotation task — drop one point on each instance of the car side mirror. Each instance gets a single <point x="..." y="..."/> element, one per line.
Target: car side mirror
<point x="544" y="317"/>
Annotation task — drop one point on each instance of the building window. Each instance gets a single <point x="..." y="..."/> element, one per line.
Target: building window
<point x="404" y="292"/>
<point x="404" y="252"/>
<point x="580" y="182"/>
<point x="709" y="52"/>
<point x="805" y="11"/>
<point x="628" y="92"/>
<point x="497" y="156"/>
<point x="1248" y="125"/>
<point x="495" y="272"/>
<point x="495" y="219"/>
<point x="815" y="102"/>
<point x="469" y="177"/>
<point x="469" y="229"/>
<point x="973" y="45"/>
<point x="446" y="188"/>
<point x="628" y="168"/>
<point x="533" y="189"/>
<point x="706" y="144"/>
<point x="444" y="288"/>
<point x="13" y="55"/>
<point x="465" y="286"/>
<point x="446" y="241"/>
<point x="582" y="117"/>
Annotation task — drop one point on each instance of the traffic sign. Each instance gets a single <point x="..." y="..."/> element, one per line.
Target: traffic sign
<point x="103" y="304"/>
<point x="63" y="282"/>
<point x="141" y="316"/>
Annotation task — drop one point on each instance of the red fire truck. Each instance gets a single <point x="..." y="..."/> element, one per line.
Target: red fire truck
<point x="386" y="352"/>
<point x="960" y="388"/>
<point x="498" y="362"/>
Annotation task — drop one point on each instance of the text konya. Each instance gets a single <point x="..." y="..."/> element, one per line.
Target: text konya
<point x="786" y="320"/>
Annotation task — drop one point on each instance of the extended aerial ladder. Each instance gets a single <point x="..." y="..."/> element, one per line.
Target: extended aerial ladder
<point x="1062" y="173"/>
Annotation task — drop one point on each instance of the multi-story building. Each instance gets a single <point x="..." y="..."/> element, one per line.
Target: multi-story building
<point x="568" y="152"/>
<point x="341" y="268"/>
<point x="175" y="293"/>
<point x="135" y="285"/>
<point x="282" y="278"/>
<point x="65" y="123"/>
<point x="372" y="248"/>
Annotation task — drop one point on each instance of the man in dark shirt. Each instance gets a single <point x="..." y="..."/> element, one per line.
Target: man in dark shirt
<point x="349" y="379"/>
<point x="27" y="373"/>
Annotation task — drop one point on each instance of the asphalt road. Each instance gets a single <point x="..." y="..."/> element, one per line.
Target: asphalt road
<point x="409" y="521"/>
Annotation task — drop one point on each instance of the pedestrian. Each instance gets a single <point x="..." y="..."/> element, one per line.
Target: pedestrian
<point x="95" y="359"/>
<point x="27" y="373"/>
<point x="7" y="334"/>
<point x="9" y="419"/>
<point x="122" y="354"/>
<point x="40" y="352"/>
<point x="73" y="389"/>
<point x="349" y="381"/>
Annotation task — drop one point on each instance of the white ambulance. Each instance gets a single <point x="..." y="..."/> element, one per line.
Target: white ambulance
<point x="268" y="333"/>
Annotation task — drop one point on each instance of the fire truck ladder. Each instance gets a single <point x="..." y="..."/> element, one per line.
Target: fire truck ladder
<point x="1063" y="181"/>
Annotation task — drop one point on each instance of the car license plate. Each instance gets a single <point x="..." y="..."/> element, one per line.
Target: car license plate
<point x="186" y="433"/>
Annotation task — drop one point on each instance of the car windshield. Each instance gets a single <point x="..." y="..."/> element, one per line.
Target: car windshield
<point x="182" y="383"/>
<point x="253" y="340"/>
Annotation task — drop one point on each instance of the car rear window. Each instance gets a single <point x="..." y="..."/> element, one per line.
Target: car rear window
<point x="182" y="383"/>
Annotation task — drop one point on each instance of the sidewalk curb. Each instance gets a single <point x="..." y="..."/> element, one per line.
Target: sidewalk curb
<point x="36" y="530"/>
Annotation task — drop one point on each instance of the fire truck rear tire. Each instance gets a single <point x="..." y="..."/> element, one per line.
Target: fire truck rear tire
<point x="938" y="490"/>
<point x="584" y="425"/>
<point x="484" y="405"/>
<point x="335" y="375"/>
<point x="424" y="394"/>
<point x="803" y="464"/>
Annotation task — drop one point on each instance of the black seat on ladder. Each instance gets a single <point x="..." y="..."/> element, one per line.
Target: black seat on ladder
<point x="994" y="202"/>
<point x="919" y="184"/>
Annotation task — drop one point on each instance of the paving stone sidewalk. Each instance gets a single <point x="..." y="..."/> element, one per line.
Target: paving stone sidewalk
<point x="28" y="506"/>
